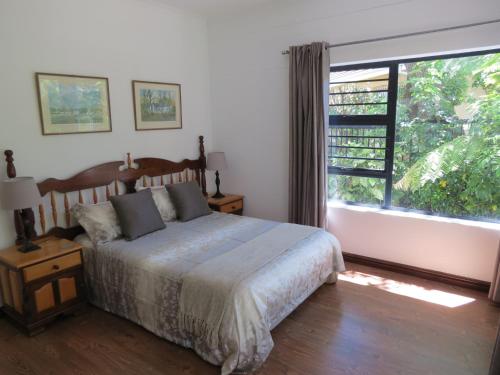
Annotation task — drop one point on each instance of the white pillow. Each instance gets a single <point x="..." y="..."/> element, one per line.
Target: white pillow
<point x="99" y="221"/>
<point x="163" y="202"/>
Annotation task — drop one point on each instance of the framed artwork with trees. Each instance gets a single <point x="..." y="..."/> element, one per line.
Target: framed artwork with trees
<point x="157" y="105"/>
<point x="73" y="104"/>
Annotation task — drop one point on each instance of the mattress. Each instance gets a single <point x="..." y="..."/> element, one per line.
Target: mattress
<point x="153" y="280"/>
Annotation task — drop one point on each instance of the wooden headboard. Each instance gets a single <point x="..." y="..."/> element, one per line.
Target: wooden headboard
<point x="97" y="184"/>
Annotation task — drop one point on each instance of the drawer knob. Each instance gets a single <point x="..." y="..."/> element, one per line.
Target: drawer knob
<point x="55" y="267"/>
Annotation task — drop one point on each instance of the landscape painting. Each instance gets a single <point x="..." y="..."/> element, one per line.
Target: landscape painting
<point x="73" y="104"/>
<point x="157" y="105"/>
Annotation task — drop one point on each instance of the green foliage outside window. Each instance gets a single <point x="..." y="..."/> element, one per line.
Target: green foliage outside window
<point x="447" y="147"/>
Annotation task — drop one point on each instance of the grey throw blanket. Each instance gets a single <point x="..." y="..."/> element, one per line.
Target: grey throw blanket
<point x="209" y="290"/>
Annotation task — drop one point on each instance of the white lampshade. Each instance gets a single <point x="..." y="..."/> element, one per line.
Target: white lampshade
<point x="216" y="161"/>
<point x="19" y="193"/>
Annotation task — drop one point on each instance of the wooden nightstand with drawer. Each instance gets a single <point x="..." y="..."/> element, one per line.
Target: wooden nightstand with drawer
<point x="230" y="204"/>
<point x="43" y="284"/>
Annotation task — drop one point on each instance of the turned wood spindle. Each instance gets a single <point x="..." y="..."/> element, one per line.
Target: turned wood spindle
<point x="197" y="175"/>
<point x="67" y="213"/>
<point x="54" y="207"/>
<point x="41" y="211"/>
<point x="129" y="160"/>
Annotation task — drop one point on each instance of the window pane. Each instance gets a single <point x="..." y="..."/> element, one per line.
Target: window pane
<point x="359" y="92"/>
<point x="357" y="146"/>
<point x="362" y="109"/>
<point x="356" y="189"/>
<point x="369" y="86"/>
<point x="447" y="137"/>
<point x="358" y="98"/>
<point x="359" y="75"/>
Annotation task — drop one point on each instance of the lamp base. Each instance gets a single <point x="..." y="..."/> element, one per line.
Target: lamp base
<point x="218" y="194"/>
<point x="27" y="247"/>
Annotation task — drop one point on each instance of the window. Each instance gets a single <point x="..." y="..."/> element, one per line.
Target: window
<point x="418" y="134"/>
<point x="361" y="138"/>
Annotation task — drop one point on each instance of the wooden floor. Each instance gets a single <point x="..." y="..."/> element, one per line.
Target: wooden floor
<point x="349" y="328"/>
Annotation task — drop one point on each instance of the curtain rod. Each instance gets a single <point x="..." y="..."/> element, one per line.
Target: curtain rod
<point x="286" y="52"/>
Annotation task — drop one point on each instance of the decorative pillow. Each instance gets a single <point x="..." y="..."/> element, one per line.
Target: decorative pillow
<point x="99" y="221"/>
<point x="137" y="214"/>
<point x="188" y="200"/>
<point x="163" y="202"/>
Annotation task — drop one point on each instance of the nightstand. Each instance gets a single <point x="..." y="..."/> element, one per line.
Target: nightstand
<point x="230" y="204"/>
<point x="43" y="284"/>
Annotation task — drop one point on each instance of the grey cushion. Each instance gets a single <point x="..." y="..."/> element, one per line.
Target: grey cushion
<point x="137" y="214"/>
<point x="188" y="200"/>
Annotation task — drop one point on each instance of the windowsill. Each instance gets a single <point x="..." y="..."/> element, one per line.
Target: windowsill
<point x="414" y="215"/>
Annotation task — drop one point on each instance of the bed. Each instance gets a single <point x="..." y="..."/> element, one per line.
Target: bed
<point x="217" y="284"/>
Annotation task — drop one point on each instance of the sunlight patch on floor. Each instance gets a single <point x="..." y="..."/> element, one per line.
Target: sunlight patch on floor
<point x="404" y="289"/>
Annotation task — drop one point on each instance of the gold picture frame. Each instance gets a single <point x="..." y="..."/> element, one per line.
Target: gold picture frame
<point x="157" y="105"/>
<point x="73" y="104"/>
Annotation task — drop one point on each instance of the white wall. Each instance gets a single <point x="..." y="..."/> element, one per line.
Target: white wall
<point x="119" y="39"/>
<point x="249" y="87"/>
<point x="454" y="246"/>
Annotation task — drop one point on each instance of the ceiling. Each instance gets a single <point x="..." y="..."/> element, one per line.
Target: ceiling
<point x="215" y="7"/>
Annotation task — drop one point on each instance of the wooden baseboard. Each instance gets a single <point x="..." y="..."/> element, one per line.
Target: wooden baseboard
<point x="443" y="277"/>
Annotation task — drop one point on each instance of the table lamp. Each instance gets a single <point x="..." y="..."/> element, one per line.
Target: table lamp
<point x="19" y="194"/>
<point x="216" y="161"/>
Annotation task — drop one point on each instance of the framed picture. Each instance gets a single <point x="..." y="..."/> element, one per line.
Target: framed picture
<point x="73" y="104"/>
<point x="157" y="105"/>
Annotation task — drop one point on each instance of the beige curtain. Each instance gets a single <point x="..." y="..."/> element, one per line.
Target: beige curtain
<point x="309" y="87"/>
<point x="494" y="294"/>
<point x="494" y="297"/>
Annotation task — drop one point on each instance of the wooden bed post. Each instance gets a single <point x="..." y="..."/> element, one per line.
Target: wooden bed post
<point x="22" y="218"/>
<point x="11" y="173"/>
<point x="11" y="169"/>
<point x="203" y="166"/>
